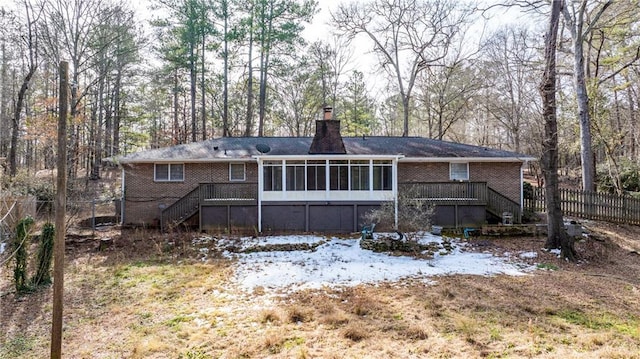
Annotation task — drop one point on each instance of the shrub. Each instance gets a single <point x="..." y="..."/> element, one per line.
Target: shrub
<point x="20" y="248"/>
<point x="413" y="214"/>
<point x="45" y="254"/>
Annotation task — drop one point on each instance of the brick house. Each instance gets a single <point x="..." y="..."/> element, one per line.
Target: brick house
<point x="321" y="183"/>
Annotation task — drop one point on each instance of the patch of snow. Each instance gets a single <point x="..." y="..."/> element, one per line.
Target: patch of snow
<point x="341" y="262"/>
<point x="528" y="255"/>
<point x="555" y="251"/>
<point x="2" y="247"/>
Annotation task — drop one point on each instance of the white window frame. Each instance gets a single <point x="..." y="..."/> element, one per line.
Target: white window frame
<point x="244" y="172"/>
<point x="454" y="174"/>
<point x="168" y="179"/>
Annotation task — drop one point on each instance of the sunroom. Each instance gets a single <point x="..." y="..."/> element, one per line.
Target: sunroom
<point x="315" y="192"/>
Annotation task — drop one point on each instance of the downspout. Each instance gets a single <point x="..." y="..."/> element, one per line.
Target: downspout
<point x="122" y="197"/>
<point x="522" y="186"/>
<point x="260" y="189"/>
<point x="395" y="191"/>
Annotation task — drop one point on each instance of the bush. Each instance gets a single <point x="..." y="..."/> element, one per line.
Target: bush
<point x="629" y="178"/>
<point x="413" y="214"/>
<point x="20" y="249"/>
<point x="45" y="254"/>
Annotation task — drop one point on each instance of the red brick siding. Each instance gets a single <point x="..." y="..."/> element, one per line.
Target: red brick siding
<point x="143" y="196"/>
<point x="502" y="177"/>
<point x="423" y="172"/>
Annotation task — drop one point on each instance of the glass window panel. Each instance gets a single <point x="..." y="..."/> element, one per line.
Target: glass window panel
<point x="237" y="172"/>
<point x="176" y="172"/>
<point x="162" y="172"/>
<point x="459" y="171"/>
<point x="359" y="178"/>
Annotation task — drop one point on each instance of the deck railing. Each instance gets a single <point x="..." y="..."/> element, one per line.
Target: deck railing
<point x="500" y="204"/>
<point x="219" y="193"/>
<point x="448" y="193"/>
<point x="228" y="192"/>
<point x="182" y="209"/>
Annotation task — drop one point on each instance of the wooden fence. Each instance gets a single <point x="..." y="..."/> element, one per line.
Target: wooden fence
<point x="590" y="205"/>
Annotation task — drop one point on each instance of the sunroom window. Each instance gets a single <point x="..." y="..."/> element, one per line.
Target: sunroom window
<point x="295" y="175"/>
<point x="316" y="175"/>
<point x="382" y="180"/>
<point x="359" y="175"/>
<point x="168" y="172"/>
<point x="339" y="175"/>
<point x="273" y="176"/>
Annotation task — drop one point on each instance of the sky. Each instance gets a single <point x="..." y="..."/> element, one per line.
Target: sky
<point x="340" y="262"/>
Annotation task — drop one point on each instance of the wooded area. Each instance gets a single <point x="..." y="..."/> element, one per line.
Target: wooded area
<point x="188" y="70"/>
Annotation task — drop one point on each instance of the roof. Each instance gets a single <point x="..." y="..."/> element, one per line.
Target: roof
<point x="244" y="148"/>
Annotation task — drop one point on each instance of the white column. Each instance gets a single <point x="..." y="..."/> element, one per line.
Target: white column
<point x="260" y="190"/>
<point x="394" y="171"/>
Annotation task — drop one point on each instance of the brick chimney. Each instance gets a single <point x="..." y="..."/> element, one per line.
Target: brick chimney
<point x="327" y="139"/>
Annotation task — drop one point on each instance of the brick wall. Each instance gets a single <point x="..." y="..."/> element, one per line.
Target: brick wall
<point x="502" y="177"/>
<point x="144" y="197"/>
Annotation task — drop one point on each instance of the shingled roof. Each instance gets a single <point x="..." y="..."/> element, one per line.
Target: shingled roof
<point x="244" y="148"/>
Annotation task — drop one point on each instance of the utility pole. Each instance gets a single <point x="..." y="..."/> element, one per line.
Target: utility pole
<point x="61" y="210"/>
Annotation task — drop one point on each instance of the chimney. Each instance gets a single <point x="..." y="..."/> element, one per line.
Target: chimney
<point x="327" y="139"/>
<point x="328" y="113"/>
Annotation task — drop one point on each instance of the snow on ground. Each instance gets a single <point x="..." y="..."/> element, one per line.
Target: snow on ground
<point x="341" y="262"/>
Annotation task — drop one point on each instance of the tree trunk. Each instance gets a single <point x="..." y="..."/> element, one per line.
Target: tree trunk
<point x="225" y="108"/>
<point x="582" y="97"/>
<point x="203" y="103"/>
<point x="264" y="69"/>
<point x="176" y="126"/>
<point x="16" y="120"/>
<point x="192" y="75"/>
<point x="557" y="237"/>
<point x="249" y="121"/>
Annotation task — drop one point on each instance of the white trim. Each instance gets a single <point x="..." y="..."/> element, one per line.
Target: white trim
<point x="466" y="159"/>
<point x="184" y="160"/>
<point x="328" y="157"/>
<point x="400" y="157"/>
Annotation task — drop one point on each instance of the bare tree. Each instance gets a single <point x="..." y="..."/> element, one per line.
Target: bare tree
<point x="509" y="56"/>
<point x="579" y="26"/>
<point x="556" y="237"/>
<point x="408" y="36"/>
<point x="31" y="43"/>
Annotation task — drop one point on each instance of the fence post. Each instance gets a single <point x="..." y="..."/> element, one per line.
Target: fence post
<point x="93" y="217"/>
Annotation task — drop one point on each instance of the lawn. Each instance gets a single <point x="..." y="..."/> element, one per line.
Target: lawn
<point x="182" y="295"/>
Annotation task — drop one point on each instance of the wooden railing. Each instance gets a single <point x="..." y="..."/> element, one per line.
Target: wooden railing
<point x="499" y="204"/>
<point x="590" y="205"/>
<point x="448" y="193"/>
<point x="228" y="192"/>
<point x="181" y="209"/>
<point x="220" y="193"/>
<point x="464" y="193"/>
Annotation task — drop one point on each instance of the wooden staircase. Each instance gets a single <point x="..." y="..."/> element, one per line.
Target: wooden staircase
<point x="181" y="210"/>
<point x="208" y="194"/>
<point x="501" y="206"/>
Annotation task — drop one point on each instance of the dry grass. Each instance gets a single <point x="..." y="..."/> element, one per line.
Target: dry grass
<point x="149" y="296"/>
